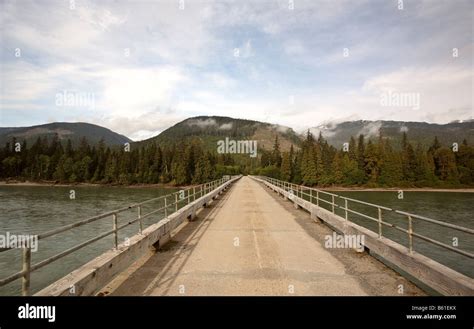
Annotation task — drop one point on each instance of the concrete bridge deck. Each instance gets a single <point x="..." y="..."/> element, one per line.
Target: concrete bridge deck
<point x="251" y="242"/>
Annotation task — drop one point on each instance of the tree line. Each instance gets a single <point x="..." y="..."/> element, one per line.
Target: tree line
<point x="179" y="163"/>
<point x="371" y="163"/>
<point x="361" y="162"/>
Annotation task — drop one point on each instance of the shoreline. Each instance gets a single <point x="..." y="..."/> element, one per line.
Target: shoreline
<point x="53" y="184"/>
<point x="396" y="189"/>
<point x="161" y="185"/>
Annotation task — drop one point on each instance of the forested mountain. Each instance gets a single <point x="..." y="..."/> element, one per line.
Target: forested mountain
<point x="73" y="131"/>
<point x="210" y="129"/>
<point x="418" y="132"/>
<point x="187" y="153"/>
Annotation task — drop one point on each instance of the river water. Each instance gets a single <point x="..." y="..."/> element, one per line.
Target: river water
<point x="37" y="209"/>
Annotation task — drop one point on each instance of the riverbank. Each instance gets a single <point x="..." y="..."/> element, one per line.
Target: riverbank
<point x="170" y="186"/>
<point x="396" y="189"/>
<point x="53" y="184"/>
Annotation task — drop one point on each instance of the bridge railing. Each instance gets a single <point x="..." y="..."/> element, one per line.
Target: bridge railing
<point x="313" y="195"/>
<point x="169" y="203"/>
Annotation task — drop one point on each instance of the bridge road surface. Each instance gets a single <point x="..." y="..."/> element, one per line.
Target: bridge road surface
<point x="252" y="242"/>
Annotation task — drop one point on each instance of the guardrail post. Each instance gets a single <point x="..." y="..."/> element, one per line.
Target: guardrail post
<point x="332" y="197"/>
<point x="194" y="193"/>
<point x="410" y="235"/>
<point x="317" y="198"/>
<point x="380" y="222"/>
<point x="176" y="202"/>
<point x="25" y="282"/>
<point x="115" y="230"/>
<point x="311" y="195"/>
<point x="140" y="224"/>
<point x="345" y="206"/>
<point x="166" y="208"/>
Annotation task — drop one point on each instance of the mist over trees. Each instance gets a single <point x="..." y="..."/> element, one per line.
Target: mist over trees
<point x="371" y="164"/>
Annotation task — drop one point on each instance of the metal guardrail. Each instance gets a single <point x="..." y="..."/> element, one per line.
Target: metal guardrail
<point x="312" y="193"/>
<point x="186" y="195"/>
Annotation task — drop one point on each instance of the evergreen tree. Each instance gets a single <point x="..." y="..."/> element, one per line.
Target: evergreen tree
<point x="424" y="168"/>
<point x="285" y="170"/>
<point x="353" y="149"/>
<point x="276" y="155"/>
<point x="338" y="173"/>
<point x="445" y="162"/>
<point x="372" y="162"/>
<point x="391" y="171"/>
<point x="465" y="163"/>
<point x="361" y="152"/>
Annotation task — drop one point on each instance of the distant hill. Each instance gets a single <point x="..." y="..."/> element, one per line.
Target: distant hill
<point x="339" y="133"/>
<point x="210" y="129"/>
<point x="65" y="130"/>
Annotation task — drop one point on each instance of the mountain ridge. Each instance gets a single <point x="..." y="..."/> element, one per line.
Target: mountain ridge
<point x="209" y="129"/>
<point x="418" y="132"/>
<point x="65" y="130"/>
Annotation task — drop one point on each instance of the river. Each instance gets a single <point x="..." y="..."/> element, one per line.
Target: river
<point x="37" y="209"/>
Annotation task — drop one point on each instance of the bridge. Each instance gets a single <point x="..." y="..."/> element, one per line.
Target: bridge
<point x="257" y="236"/>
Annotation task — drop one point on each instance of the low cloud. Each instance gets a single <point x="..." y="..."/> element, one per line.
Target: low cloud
<point x="206" y="123"/>
<point x="226" y="126"/>
<point x="280" y="128"/>
<point x="371" y="129"/>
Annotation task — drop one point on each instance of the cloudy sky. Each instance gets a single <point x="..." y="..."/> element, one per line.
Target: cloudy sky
<point x="138" y="67"/>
